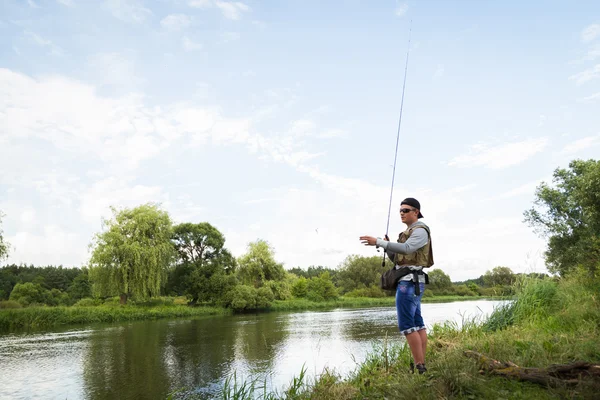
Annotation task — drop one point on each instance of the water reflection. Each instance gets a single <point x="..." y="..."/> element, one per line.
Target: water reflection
<point x="147" y="360"/>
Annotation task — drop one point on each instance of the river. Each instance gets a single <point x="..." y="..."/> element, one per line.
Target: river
<point x="149" y="359"/>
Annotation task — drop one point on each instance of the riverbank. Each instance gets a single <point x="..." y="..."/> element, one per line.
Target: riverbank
<point x="47" y="317"/>
<point x="352" y="302"/>
<point x="549" y="323"/>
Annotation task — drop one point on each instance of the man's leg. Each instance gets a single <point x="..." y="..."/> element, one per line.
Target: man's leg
<point x="416" y="347"/>
<point x="423" y="335"/>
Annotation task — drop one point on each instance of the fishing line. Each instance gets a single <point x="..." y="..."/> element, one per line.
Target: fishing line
<point x="397" y="139"/>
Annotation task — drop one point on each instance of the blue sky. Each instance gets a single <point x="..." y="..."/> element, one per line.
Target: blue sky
<point x="277" y="120"/>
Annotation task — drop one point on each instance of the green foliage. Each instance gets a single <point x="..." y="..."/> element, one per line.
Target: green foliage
<point x="314" y="271"/>
<point x="321" y="288"/>
<point x="28" y="293"/>
<point x="463" y="290"/>
<point x="499" y="276"/>
<point x="281" y="289"/>
<point x="80" y="287"/>
<point x="6" y="304"/>
<point x="133" y="254"/>
<point x="264" y="297"/>
<point x="258" y="265"/>
<point x="204" y="268"/>
<point x="241" y="298"/>
<point x="210" y="288"/>
<point x="569" y="215"/>
<point x="439" y="280"/>
<point x="371" y="291"/>
<point x="300" y="287"/>
<point x="358" y="272"/>
<point x="88" y="302"/>
<point x="4" y="245"/>
<point x="43" y="317"/>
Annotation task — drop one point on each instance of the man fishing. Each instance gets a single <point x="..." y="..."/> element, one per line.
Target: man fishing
<point x="414" y="251"/>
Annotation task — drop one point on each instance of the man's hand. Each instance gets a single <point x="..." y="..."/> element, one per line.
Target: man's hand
<point x="368" y="240"/>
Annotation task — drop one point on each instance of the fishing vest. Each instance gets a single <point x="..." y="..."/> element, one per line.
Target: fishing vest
<point x="423" y="257"/>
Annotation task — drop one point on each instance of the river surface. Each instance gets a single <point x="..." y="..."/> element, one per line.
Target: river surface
<point x="149" y="359"/>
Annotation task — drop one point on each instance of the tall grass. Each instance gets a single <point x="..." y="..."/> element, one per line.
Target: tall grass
<point x="548" y="322"/>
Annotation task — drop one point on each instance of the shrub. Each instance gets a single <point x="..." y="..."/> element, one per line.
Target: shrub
<point x="28" y="293"/>
<point x="6" y="304"/>
<point x="281" y="289"/>
<point x="371" y="291"/>
<point x="300" y="287"/>
<point x="264" y="297"/>
<point x="241" y="297"/>
<point x="88" y="302"/>
<point x="463" y="290"/>
<point x="321" y="288"/>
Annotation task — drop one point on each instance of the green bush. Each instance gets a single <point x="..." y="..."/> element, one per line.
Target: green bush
<point x="88" y="302"/>
<point x="28" y="294"/>
<point x="264" y="297"/>
<point x="281" y="289"/>
<point x="372" y="291"/>
<point x="241" y="297"/>
<point x="321" y="288"/>
<point x="300" y="287"/>
<point x="463" y="290"/>
<point x="6" y="304"/>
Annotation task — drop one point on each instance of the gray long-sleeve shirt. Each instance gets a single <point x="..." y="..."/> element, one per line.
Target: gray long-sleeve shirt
<point x="417" y="239"/>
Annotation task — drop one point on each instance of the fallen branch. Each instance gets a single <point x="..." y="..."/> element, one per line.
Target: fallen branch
<point x="554" y="376"/>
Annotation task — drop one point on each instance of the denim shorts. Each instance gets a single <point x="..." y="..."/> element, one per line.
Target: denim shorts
<point x="408" y="307"/>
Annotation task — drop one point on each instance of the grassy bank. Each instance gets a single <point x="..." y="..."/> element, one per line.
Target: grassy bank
<point x="549" y="323"/>
<point x="42" y="317"/>
<point x="45" y="317"/>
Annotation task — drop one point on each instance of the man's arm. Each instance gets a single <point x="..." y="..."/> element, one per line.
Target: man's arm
<point x="417" y="239"/>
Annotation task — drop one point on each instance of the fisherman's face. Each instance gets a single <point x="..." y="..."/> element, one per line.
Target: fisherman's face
<point x="408" y="214"/>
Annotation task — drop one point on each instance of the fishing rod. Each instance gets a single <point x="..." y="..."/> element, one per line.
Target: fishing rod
<point x="397" y="141"/>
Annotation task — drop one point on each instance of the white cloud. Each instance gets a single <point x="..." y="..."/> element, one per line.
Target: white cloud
<point x="28" y="215"/>
<point x="590" y="33"/>
<point x="521" y="190"/>
<point x="95" y="202"/>
<point x="500" y="156"/>
<point x="176" y="22"/>
<point x="67" y="3"/>
<point x="40" y="41"/>
<point x="130" y="11"/>
<point x="587" y="75"/>
<point x="582" y="144"/>
<point x="32" y="4"/>
<point x="401" y="9"/>
<point x="232" y="10"/>
<point x="591" y="98"/>
<point x="227" y="37"/>
<point x="52" y="246"/>
<point x="200" y="3"/>
<point x="189" y="45"/>
<point x="116" y="69"/>
<point x="439" y="72"/>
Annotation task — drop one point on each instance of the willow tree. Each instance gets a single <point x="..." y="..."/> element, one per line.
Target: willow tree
<point x="132" y="255"/>
<point x="258" y="265"/>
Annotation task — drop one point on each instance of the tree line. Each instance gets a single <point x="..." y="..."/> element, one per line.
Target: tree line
<point x="141" y="254"/>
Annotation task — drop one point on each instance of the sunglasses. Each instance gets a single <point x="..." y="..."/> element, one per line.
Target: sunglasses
<point x="406" y="210"/>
